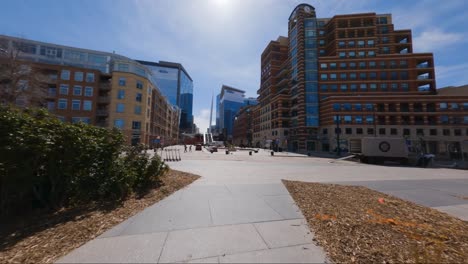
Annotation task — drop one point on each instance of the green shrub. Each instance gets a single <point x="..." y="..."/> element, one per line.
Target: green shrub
<point x="47" y="163"/>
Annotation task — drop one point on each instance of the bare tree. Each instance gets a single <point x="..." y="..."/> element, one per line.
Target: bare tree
<point x="21" y="83"/>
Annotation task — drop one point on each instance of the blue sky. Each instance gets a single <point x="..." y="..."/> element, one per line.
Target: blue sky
<point x="220" y="41"/>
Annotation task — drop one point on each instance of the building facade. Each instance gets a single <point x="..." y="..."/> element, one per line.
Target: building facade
<point x="357" y="72"/>
<point x="102" y="89"/>
<point x="177" y="85"/>
<point x="230" y="102"/>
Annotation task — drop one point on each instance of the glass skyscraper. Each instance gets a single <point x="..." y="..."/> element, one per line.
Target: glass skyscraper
<point x="177" y="85"/>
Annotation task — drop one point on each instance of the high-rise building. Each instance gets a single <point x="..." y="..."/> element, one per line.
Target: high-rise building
<point x="177" y="85"/>
<point x="359" y="72"/>
<point x="230" y="101"/>
<point x="100" y="88"/>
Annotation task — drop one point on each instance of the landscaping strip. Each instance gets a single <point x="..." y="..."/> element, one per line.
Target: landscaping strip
<point x="44" y="238"/>
<point x="356" y="224"/>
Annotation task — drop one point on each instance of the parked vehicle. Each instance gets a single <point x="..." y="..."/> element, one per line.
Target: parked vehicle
<point x="380" y="149"/>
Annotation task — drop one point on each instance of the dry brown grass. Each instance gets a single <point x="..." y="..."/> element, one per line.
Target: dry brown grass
<point x="44" y="238"/>
<point x="356" y="224"/>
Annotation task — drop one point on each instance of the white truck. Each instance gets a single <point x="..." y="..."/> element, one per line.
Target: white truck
<point x="380" y="149"/>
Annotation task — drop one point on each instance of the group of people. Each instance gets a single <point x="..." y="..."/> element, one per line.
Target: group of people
<point x="185" y="148"/>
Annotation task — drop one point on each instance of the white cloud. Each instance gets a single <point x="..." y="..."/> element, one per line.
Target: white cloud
<point x="434" y="39"/>
<point x="202" y="119"/>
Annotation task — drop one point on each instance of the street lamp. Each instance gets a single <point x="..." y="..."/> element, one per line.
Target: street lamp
<point x="338" y="132"/>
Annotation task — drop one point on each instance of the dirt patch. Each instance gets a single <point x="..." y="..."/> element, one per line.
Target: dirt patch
<point x="356" y="224"/>
<point x="44" y="238"/>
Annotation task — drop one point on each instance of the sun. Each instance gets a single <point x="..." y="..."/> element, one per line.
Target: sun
<point x="222" y="3"/>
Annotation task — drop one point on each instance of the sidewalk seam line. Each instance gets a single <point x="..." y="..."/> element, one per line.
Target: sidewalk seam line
<point x="263" y="239"/>
<point x="164" y="246"/>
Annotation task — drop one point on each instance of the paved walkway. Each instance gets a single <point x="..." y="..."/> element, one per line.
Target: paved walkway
<point x="239" y="211"/>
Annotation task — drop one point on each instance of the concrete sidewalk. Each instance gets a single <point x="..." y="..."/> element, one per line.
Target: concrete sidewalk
<point x="210" y="221"/>
<point x="239" y="211"/>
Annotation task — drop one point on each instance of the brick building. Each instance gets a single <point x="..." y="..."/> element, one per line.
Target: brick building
<point x="360" y="72"/>
<point x="100" y="88"/>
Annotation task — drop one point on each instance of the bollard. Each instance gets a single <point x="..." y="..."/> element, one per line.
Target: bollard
<point x="227" y="152"/>
<point x="272" y="153"/>
<point x="250" y="153"/>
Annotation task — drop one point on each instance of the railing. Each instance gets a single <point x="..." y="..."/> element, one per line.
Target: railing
<point x="103" y="99"/>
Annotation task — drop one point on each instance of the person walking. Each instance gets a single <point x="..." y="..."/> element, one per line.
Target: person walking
<point x="190" y="148"/>
<point x="185" y="148"/>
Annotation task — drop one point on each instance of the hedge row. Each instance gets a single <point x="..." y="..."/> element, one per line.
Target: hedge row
<point x="46" y="163"/>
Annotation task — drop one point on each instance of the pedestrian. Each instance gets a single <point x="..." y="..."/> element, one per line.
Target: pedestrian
<point x="185" y="148"/>
<point x="190" y="148"/>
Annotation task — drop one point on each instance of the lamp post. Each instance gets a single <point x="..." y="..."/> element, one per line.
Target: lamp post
<point x="338" y="132"/>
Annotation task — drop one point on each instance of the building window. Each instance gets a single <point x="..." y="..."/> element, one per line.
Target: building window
<point x="373" y="87"/>
<point x="361" y="54"/>
<point x="51" y="105"/>
<point x="347" y="119"/>
<point x="333" y="76"/>
<point x="89" y="77"/>
<point x="122" y="81"/>
<point x="121" y="94"/>
<point x="465" y="120"/>
<point x="88" y="91"/>
<point x="323" y="76"/>
<point x="138" y="109"/>
<point x="444" y="119"/>
<point x="65" y="75"/>
<point x="357" y="107"/>
<point x="62" y="104"/>
<point x="353" y="87"/>
<point x="371" y="53"/>
<point x="342" y="65"/>
<point x="136" y="125"/>
<point x="342" y="55"/>
<point x="324" y="87"/>
<point x="383" y="87"/>
<point x="78" y="76"/>
<point x="457" y="132"/>
<point x="52" y="91"/>
<point x="347" y="106"/>
<point x="370" y="131"/>
<point x="87" y="105"/>
<point x="344" y="87"/>
<point x="139" y="97"/>
<point x="465" y="106"/>
<point x="120" y="108"/>
<point x="446" y="132"/>
<point x="362" y="76"/>
<point x="343" y="76"/>
<point x="77" y="90"/>
<point x="348" y="131"/>
<point x="352" y="54"/>
<point x="341" y="44"/>
<point x="393" y="131"/>
<point x="119" y="123"/>
<point x="363" y="86"/>
<point x="76" y="104"/>
<point x="372" y="64"/>
<point x="433" y="132"/>
<point x="323" y="66"/>
<point x="372" y="75"/>
<point x="352" y="65"/>
<point x="336" y="107"/>
<point x="358" y="119"/>
<point x="369" y="119"/>
<point x="443" y="106"/>
<point x="369" y="107"/>
<point x="420" y="132"/>
<point x="123" y="67"/>
<point x="405" y="87"/>
<point x="406" y="132"/>
<point x="333" y="65"/>
<point x="334" y="87"/>
<point x="64" y="89"/>
<point x="394" y="87"/>
<point x="139" y="84"/>
<point x="382" y="131"/>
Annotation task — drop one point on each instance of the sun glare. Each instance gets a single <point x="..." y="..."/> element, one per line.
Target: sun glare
<point x="222" y="3"/>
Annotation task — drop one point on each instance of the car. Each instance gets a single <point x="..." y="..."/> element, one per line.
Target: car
<point x="213" y="149"/>
<point x="198" y="147"/>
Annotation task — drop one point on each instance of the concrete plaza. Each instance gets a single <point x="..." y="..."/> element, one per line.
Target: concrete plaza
<point x="239" y="211"/>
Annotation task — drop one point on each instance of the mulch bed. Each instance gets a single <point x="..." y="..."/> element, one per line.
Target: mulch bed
<point x="356" y="224"/>
<point x="43" y="238"/>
